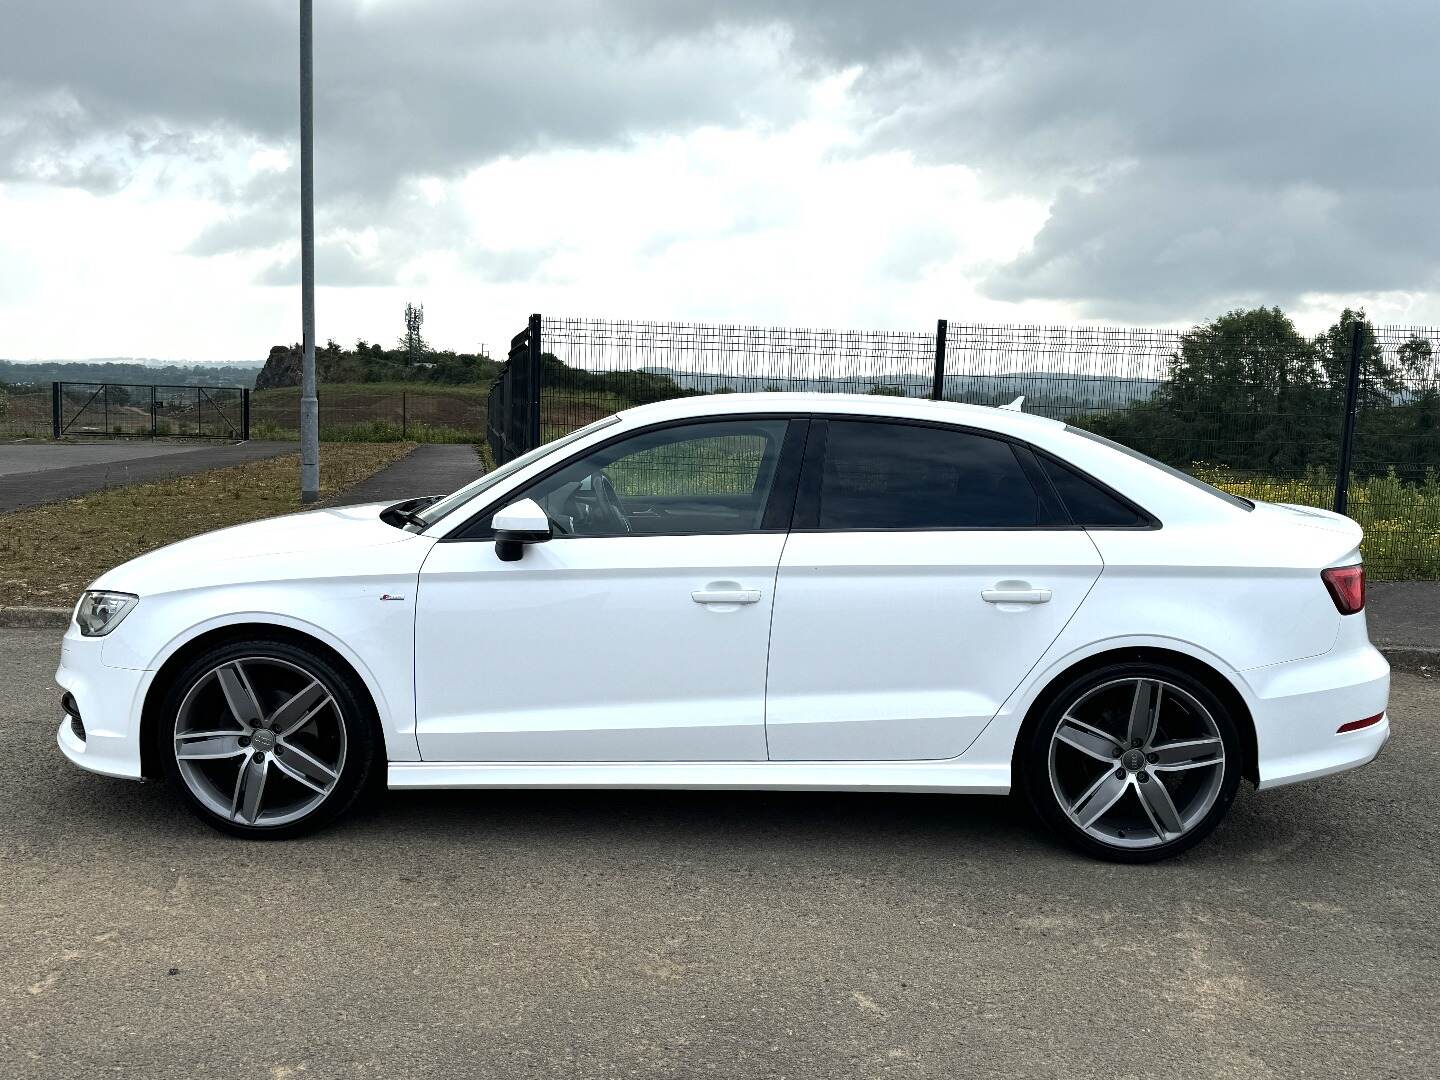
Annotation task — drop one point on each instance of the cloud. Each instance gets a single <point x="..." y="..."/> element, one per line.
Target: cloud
<point x="1192" y="155"/>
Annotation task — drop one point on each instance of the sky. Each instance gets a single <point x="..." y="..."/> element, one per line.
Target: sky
<point x="835" y="163"/>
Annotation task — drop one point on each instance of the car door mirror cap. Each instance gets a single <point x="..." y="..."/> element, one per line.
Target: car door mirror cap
<point x="517" y="525"/>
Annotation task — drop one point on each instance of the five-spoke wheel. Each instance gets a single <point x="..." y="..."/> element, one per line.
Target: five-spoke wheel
<point x="261" y="738"/>
<point x="1133" y="763"/>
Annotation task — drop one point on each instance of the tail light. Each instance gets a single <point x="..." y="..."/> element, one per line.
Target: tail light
<point x="1347" y="587"/>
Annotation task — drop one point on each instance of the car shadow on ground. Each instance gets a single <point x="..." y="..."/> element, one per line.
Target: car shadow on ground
<point x="876" y="828"/>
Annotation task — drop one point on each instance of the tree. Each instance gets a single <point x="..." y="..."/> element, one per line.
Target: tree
<point x="413" y="344"/>
<point x="1245" y="390"/>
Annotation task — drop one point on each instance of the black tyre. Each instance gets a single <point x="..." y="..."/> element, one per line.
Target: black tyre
<point x="267" y="740"/>
<point x="1135" y="762"/>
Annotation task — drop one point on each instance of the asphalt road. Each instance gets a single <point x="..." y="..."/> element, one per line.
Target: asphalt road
<point x="725" y="935"/>
<point x="36" y="473"/>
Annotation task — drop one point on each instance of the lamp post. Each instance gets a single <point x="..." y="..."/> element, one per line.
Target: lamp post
<point x="309" y="402"/>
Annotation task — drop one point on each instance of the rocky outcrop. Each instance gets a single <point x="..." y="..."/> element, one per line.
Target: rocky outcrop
<point x="282" y="368"/>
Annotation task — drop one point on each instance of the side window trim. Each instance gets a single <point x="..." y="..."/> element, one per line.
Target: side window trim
<point x="476" y="528"/>
<point x="807" y="506"/>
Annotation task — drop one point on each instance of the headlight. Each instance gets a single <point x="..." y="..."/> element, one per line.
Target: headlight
<point x="100" y="612"/>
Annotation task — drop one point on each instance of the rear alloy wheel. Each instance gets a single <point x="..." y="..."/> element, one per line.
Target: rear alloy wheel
<point x="1134" y="764"/>
<point x="267" y="740"/>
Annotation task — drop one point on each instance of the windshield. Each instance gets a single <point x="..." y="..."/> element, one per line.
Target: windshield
<point x="437" y="510"/>
<point x="1209" y="489"/>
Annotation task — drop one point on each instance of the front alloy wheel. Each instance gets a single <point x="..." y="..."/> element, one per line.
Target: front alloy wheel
<point x="1134" y="764"/>
<point x="267" y="740"/>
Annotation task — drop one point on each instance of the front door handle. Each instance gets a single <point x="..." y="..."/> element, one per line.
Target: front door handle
<point x="1015" y="596"/>
<point x="726" y="596"/>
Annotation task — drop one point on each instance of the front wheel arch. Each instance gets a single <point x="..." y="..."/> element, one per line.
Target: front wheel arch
<point x="150" y="765"/>
<point x="1214" y="681"/>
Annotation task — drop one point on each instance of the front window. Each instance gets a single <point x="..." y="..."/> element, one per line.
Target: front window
<point x="690" y="479"/>
<point x="452" y="502"/>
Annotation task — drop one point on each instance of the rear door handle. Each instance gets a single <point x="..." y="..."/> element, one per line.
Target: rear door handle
<point x="1015" y="596"/>
<point x="726" y="596"/>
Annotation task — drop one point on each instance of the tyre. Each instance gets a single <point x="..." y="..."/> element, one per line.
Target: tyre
<point x="267" y="740"/>
<point x="1133" y="763"/>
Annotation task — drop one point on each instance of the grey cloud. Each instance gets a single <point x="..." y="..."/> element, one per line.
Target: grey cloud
<point x="1198" y="154"/>
<point x="428" y="88"/>
<point x="336" y="263"/>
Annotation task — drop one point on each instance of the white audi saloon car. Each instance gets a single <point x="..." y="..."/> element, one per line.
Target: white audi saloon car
<point x="771" y="591"/>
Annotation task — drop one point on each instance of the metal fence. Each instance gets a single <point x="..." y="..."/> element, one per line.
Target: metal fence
<point x="512" y="422"/>
<point x="361" y="412"/>
<point x="1253" y="406"/>
<point x="147" y="411"/>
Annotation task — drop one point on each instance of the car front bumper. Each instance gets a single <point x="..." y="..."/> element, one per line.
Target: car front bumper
<point x="109" y="701"/>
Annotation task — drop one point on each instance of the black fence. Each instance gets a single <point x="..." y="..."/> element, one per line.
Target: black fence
<point x="375" y="412"/>
<point x="1245" y="402"/>
<point x="146" y="411"/>
<point x="512" y="424"/>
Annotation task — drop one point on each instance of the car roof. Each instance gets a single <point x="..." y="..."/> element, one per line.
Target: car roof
<point x="904" y="408"/>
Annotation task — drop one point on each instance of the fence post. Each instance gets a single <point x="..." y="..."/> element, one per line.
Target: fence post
<point x="1352" y="408"/>
<point x="534" y="382"/>
<point x="244" y="414"/>
<point x="404" y="415"/>
<point x="154" y="427"/>
<point x="55" y="410"/>
<point x="937" y="387"/>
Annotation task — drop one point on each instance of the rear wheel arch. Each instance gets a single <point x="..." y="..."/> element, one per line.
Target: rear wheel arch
<point x="150" y="717"/>
<point x="1214" y="680"/>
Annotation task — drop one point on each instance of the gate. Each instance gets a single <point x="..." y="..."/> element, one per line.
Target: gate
<point x="141" y="410"/>
<point x="512" y="425"/>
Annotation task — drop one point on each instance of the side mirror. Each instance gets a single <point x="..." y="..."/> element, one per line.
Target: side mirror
<point x="519" y="524"/>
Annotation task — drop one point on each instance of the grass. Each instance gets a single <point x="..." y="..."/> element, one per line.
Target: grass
<point x="1401" y="521"/>
<point x="49" y="553"/>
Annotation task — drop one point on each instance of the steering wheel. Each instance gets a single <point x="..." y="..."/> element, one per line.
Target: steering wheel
<point x="609" y="501"/>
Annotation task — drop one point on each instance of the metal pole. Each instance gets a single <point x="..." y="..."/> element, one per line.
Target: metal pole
<point x="404" y="415"/>
<point x="937" y="386"/>
<point x="309" y="402"/>
<point x="154" y="427"/>
<point x="244" y="415"/>
<point x="1352" y="407"/>
<point x="534" y="382"/>
<point x="55" y="410"/>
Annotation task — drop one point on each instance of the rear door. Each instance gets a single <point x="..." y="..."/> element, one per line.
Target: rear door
<point x="927" y="570"/>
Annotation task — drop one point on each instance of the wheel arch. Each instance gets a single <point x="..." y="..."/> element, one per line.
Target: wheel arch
<point x="181" y="657"/>
<point x="1213" y="678"/>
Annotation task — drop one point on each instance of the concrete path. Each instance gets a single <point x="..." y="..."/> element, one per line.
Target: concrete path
<point x="32" y="473"/>
<point x="431" y="469"/>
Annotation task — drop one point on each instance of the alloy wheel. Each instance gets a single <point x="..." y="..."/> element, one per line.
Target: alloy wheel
<point x="260" y="741"/>
<point x="1136" y="762"/>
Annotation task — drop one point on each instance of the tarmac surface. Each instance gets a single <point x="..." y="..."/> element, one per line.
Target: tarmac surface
<point x="32" y="473"/>
<point x="429" y="469"/>
<point x="519" y="934"/>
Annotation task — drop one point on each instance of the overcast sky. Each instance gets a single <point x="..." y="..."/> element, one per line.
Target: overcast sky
<point x="819" y="163"/>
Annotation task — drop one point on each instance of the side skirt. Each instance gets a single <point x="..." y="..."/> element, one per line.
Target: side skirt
<point x="936" y="776"/>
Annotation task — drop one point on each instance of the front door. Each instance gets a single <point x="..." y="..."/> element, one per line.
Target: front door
<point x="929" y="569"/>
<point x="639" y="631"/>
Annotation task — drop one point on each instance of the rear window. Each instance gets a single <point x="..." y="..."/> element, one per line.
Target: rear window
<point x="881" y="475"/>
<point x="1209" y="489"/>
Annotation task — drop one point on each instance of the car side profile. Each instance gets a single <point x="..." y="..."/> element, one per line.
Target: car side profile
<point x="765" y="591"/>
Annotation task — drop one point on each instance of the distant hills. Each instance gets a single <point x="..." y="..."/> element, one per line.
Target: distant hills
<point x="126" y="369"/>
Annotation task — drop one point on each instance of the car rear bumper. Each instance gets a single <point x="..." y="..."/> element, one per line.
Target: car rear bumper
<point x="1299" y="707"/>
